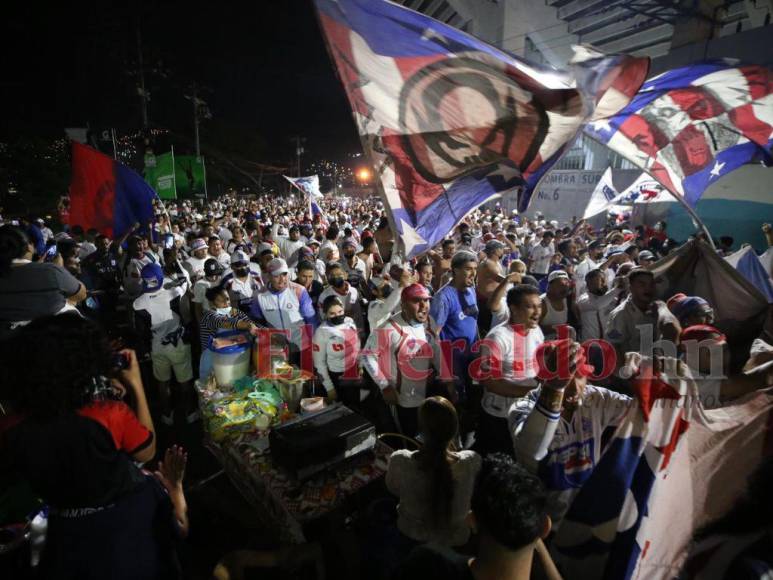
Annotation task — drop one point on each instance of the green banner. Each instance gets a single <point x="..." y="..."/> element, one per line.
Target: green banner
<point x="160" y="174"/>
<point x="190" y="175"/>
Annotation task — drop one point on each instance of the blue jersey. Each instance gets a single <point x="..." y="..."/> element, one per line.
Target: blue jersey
<point x="456" y="312"/>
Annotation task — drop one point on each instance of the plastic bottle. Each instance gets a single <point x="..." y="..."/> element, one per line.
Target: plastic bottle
<point x="38" y="529"/>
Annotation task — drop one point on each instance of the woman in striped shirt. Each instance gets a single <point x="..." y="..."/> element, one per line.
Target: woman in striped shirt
<point x="221" y="318"/>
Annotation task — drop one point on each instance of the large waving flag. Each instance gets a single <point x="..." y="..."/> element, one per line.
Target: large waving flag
<point x="670" y="468"/>
<point x="450" y="122"/>
<point x="308" y="185"/>
<point x="107" y="195"/>
<point x="692" y="125"/>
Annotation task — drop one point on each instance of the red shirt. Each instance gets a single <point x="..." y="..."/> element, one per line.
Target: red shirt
<point x="80" y="459"/>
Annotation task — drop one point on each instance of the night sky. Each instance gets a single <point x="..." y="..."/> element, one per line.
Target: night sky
<point x="265" y="63"/>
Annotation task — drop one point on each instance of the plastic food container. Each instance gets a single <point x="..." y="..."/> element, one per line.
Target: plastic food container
<point x="312" y="404"/>
<point x="230" y="357"/>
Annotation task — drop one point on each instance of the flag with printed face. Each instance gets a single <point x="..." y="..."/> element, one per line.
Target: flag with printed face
<point x="450" y="122"/>
<point x="690" y="126"/>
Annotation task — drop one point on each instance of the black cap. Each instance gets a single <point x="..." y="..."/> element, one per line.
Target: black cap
<point x="213" y="268"/>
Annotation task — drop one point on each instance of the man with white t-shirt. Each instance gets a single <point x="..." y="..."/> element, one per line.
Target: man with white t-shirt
<point x="199" y="255"/>
<point x="158" y="308"/>
<point x="243" y="281"/>
<point x="540" y="256"/>
<point x="216" y="251"/>
<point x="507" y="367"/>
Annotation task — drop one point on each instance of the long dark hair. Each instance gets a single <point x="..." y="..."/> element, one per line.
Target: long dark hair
<point x="13" y="245"/>
<point x="439" y="426"/>
<point x="49" y="367"/>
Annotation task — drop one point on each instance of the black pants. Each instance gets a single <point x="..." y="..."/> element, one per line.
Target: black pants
<point x="373" y="407"/>
<point x="407" y="420"/>
<point x="348" y="389"/>
<point x="493" y="435"/>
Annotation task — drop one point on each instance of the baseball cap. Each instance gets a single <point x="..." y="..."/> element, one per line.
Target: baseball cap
<point x="213" y="268"/>
<point x="415" y="292"/>
<point x="277" y="266"/>
<point x="687" y="305"/>
<point x="557" y="275"/>
<point x="462" y="257"/>
<point x="198" y="244"/>
<point x="492" y="245"/>
<point x="264" y="248"/>
<point x="596" y="244"/>
<point x="313" y="242"/>
<point x="239" y="257"/>
<point x="646" y="255"/>
<point x="152" y="277"/>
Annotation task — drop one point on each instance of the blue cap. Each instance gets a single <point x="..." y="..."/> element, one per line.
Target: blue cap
<point x="152" y="277"/>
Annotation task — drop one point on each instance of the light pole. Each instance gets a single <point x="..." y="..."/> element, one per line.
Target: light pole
<point x="299" y="151"/>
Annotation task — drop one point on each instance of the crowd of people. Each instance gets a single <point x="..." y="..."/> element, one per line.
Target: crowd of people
<point x="446" y="349"/>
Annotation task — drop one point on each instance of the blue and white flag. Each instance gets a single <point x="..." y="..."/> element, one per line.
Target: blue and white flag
<point x="450" y="122"/>
<point x="690" y="126"/>
<point x="308" y="185"/>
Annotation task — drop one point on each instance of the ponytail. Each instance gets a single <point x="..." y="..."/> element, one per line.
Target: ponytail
<point x="439" y="426"/>
<point x="13" y="245"/>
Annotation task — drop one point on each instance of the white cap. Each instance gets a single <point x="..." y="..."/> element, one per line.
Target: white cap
<point x="278" y="266"/>
<point x="239" y="256"/>
<point x="556" y="275"/>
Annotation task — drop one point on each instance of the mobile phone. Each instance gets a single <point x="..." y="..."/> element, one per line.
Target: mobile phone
<point x="120" y="361"/>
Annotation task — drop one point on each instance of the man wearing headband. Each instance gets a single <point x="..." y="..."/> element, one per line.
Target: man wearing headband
<point x="558" y="428"/>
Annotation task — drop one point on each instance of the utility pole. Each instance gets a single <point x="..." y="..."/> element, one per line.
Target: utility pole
<point x="299" y="152"/>
<point x="195" y="100"/>
<point x="141" y="73"/>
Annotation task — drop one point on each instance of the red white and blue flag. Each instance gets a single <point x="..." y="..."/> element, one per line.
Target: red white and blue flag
<point x="690" y="126"/>
<point x="450" y="122"/>
<point x="670" y="468"/>
<point x="107" y="195"/>
<point x="309" y="186"/>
